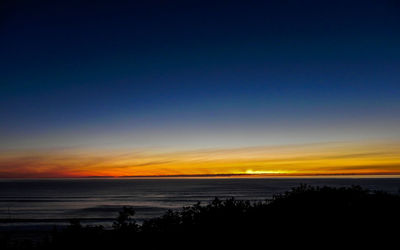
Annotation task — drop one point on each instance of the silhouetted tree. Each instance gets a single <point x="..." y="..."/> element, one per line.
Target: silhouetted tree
<point x="124" y="220"/>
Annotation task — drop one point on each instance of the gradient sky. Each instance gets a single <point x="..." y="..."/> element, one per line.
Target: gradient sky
<point x="125" y="80"/>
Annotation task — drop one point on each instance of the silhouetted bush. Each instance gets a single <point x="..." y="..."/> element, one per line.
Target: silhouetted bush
<point x="304" y="212"/>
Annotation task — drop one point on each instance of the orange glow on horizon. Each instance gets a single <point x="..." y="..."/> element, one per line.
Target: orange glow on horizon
<point x="296" y="160"/>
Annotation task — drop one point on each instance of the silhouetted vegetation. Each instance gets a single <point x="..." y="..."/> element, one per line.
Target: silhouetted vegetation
<point x="305" y="211"/>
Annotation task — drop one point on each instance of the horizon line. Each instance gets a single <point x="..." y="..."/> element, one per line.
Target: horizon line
<point x="244" y="175"/>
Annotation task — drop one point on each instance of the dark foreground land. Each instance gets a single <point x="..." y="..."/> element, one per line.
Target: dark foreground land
<point x="305" y="213"/>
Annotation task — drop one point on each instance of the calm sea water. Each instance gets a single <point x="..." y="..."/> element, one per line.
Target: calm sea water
<point x="44" y="203"/>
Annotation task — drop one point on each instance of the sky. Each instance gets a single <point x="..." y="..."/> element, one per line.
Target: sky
<point x="138" y="88"/>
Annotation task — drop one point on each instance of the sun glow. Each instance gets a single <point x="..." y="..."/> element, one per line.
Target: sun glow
<point x="268" y="172"/>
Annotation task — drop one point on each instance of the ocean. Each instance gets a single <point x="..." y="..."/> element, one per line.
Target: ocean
<point x="45" y="203"/>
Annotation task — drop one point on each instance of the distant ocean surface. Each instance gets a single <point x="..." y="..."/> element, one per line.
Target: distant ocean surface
<point x="48" y="202"/>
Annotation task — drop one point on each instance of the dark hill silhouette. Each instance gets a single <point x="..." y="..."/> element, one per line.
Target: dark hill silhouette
<point x="305" y="212"/>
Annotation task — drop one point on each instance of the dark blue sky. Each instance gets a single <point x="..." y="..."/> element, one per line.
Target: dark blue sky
<point x="197" y="73"/>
